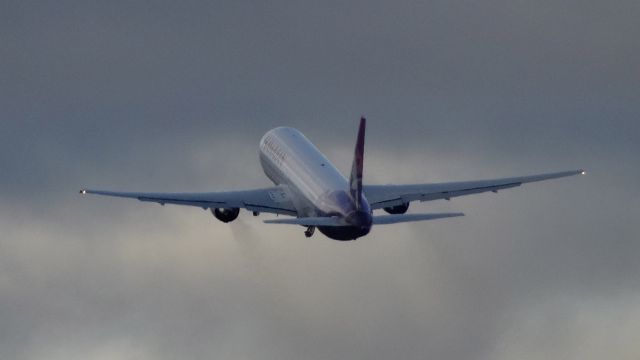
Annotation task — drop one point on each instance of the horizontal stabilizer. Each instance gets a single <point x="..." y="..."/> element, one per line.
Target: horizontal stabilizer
<point x="394" y="219"/>
<point x="310" y="221"/>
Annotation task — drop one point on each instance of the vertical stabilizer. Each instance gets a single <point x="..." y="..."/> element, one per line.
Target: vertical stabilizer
<point x="355" y="181"/>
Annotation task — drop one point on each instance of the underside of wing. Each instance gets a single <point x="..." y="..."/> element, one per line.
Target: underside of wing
<point x="274" y="200"/>
<point x="381" y="196"/>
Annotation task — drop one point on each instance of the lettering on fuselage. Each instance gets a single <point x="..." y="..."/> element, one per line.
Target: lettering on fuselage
<point x="274" y="151"/>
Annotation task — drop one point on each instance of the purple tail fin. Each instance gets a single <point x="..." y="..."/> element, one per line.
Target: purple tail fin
<point x="356" y="169"/>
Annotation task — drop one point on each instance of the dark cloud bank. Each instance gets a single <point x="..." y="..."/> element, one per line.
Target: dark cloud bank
<point x="175" y="96"/>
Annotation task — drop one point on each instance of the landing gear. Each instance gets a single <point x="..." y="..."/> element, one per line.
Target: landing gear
<point x="309" y="232"/>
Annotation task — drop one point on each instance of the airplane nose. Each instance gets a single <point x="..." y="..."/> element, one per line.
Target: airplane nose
<point x="361" y="219"/>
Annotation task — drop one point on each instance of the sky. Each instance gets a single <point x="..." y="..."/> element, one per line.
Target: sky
<point x="174" y="96"/>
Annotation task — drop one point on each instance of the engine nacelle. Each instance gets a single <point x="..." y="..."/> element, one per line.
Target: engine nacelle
<point x="398" y="209"/>
<point x="225" y="214"/>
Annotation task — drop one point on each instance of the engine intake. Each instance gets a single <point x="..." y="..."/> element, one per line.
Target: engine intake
<point x="225" y="214"/>
<point x="398" y="209"/>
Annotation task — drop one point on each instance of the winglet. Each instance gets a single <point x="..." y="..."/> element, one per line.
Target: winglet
<point x="355" y="181"/>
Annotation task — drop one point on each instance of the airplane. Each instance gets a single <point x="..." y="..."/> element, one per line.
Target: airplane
<point x="311" y="190"/>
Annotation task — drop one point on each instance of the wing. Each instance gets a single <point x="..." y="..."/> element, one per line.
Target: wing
<point x="274" y="200"/>
<point x="381" y="196"/>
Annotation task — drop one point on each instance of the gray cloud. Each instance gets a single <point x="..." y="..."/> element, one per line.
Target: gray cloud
<point x="167" y="96"/>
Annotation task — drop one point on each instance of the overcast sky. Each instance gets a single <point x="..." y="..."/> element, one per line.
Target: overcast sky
<point x="174" y="96"/>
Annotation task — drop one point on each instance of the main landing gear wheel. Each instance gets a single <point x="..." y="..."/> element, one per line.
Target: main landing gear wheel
<point x="309" y="232"/>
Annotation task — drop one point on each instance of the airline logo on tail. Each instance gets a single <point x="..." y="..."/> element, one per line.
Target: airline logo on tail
<point x="356" y="168"/>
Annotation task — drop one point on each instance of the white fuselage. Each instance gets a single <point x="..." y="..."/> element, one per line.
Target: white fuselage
<point x="317" y="187"/>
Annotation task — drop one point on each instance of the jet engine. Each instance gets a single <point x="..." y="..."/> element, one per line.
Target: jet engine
<point x="398" y="209"/>
<point x="225" y="215"/>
